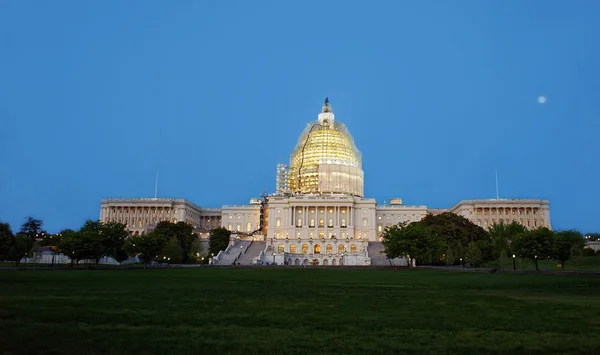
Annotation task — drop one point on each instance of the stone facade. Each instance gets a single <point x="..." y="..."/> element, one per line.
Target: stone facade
<point x="141" y="215"/>
<point x="531" y="213"/>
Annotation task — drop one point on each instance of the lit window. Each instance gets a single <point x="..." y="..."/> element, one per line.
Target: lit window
<point x="280" y="248"/>
<point x="304" y="248"/>
<point x="328" y="249"/>
<point x="312" y="211"/>
<point x="278" y="222"/>
<point x="229" y="226"/>
<point x="248" y="227"/>
<point x="277" y="235"/>
<point x="365" y="222"/>
<point x="353" y="248"/>
<point x="321" y="222"/>
<point x="330" y="224"/>
<point x="310" y="235"/>
<point x="379" y="228"/>
<point x="230" y="217"/>
<point x="293" y="248"/>
<point x="343" y="222"/>
<point x="299" y="224"/>
<point x="343" y="211"/>
<point x="330" y="211"/>
<point x="317" y="249"/>
<point x="321" y="211"/>
<point x="298" y="235"/>
<point x="341" y="248"/>
<point x="238" y="228"/>
<point x="312" y="222"/>
<point x="321" y="235"/>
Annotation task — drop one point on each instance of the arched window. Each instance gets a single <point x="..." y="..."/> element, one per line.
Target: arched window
<point x="229" y="227"/>
<point x="365" y="222"/>
<point x="328" y="249"/>
<point x="280" y="248"/>
<point x="248" y="227"/>
<point x="330" y="223"/>
<point x="353" y="248"/>
<point x="278" y="222"/>
<point x="293" y="248"/>
<point x="321" y="222"/>
<point x="312" y="222"/>
<point x="299" y="224"/>
<point x="317" y="249"/>
<point x="341" y="248"/>
<point x="238" y="228"/>
<point x="343" y="222"/>
<point x="304" y="248"/>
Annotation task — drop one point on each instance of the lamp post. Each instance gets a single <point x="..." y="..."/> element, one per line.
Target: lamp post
<point x="536" y="264"/>
<point x="273" y="258"/>
<point x="514" y="262"/>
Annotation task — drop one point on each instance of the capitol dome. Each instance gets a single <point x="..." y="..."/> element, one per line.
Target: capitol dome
<point x="326" y="159"/>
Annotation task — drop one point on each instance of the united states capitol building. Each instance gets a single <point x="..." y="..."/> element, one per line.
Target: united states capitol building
<point x="318" y="213"/>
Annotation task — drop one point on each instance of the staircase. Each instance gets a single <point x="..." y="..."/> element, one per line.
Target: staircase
<point x="251" y="252"/>
<point x="375" y="250"/>
<point x="232" y="252"/>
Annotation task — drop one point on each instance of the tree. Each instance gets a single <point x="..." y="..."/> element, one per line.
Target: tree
<point x="456" y="231"/>
<point x="474" y="253"/>
<point x="147" y="247"/>
<point x="501" y="237"/>
<point x="32" y="227"/>
<point x="184" y="233"/>
<point x="592" y="237"/>
<point x="172" y="251"/>
<point x="114" y="237"/>
<point x="218" y="240"/>
<point x="534" y="244"/>
<point x="21" y="247"/>
<point x="412" y="240"/>
<point x="73" y="245"/>
<point x="6" y="240"/>
<point x="449" y="257"/>
<point x="566" y="245"/>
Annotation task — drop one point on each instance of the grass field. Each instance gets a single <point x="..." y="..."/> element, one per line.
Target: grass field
<point x="300" y="311"/>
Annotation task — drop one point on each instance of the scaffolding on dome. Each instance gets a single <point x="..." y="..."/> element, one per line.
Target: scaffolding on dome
<point x="326" y="160"/>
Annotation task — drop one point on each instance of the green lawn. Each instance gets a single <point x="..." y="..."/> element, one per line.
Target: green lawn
<point x="301" y="311"/>
<point x="584" y="263"/>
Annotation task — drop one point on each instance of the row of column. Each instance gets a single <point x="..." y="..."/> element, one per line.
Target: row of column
<point x="303" y="213"/>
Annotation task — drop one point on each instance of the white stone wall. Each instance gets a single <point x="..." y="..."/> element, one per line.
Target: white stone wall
<point x="531" y="213"/>
<point x="241" y="218"/>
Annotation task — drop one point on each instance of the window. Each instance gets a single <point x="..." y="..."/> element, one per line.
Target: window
<point x="276" y="235"/>
<point x="379" y="218"/>
<point x="299" y="222"/>
<point x="343" y="211"/>
<point x="321" y="235"/>
<point x="312" y="223"/>
<point x="379" y="228"/>
<point x="328" y="249"/>
<point x="248" y="227"/>
<point x="298" y="235"/>
<point x="238" y="227"/>
<point x="230" y="216"/>
<point x="304" y="248"/>
<point x="341" y="248"/>
<point x="317" y="249"/>
<point x="280" y="248"/>
<point x="311" y="235"/>
<point x="312" y="211"/>
<point x="229" y="227"/>
<point x="330" y="223"/>
<point x="321" y="222"/>
<point x="330" y="210"/>
<point x="343" y="222"/>
<point x="365" y="221"/>
<point x="353" y="248"/>
<point x="293" y="248"/>
<point x="278" y="222"/>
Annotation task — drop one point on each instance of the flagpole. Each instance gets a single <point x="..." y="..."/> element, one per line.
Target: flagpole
<point x="497" y="195"/>
<point x="156" y="185"/>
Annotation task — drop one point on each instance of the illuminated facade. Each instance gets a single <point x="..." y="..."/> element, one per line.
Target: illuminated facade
<point x="318" y="213"/>
<point x="326" y="159"/>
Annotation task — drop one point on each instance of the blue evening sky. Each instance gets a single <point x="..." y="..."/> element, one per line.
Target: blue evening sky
<point x="95" y="96"/>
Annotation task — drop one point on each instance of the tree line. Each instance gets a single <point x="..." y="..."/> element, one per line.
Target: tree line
<point x="450" y="239"/>
<point x="168" y="242"/>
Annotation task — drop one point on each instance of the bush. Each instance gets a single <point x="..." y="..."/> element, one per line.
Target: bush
<point x="589" y="252"/>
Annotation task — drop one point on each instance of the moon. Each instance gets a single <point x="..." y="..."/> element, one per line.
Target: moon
<point x="542" y="99"/>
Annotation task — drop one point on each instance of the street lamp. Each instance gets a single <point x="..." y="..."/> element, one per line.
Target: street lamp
<point x="273" y="258"/>
<point x="514" y="262"/>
